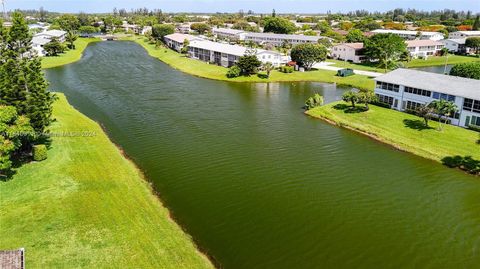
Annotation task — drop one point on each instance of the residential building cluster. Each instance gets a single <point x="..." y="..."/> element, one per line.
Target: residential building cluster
<point x="39" y="40"/>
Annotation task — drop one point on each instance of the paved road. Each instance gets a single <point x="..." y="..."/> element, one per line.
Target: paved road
<point x="327" y="66"/>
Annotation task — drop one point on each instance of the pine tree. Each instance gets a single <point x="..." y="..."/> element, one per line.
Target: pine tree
<point x="22" y="83"/>
<point x="476" y="24"/>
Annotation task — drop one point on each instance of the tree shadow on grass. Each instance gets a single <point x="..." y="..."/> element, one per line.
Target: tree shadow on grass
<point x="349" y="109"/>
<point x="466" y="163"/>
<point x="416" y="125"/>
<point x="262" y="76"/>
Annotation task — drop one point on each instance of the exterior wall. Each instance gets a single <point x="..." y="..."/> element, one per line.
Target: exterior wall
<point x="276" y="41"/>
<point x="424" y="51"/>
<point x="229" y="36"/>
<point x="177" y="46"/>
<point x="451" y="46"/>
<point x="400" y="100"/>
<point x="457" y="35"/>
<point x="342" y="52"/>
<point x="222" y="59"/>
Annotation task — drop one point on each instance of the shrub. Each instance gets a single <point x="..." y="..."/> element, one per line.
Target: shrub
<point x="466" y="70"/>
<point x="234" y="72"/>
<point x="286" y="69"/>
<point x="39" y="153"/>
<point x="474" y="128"/>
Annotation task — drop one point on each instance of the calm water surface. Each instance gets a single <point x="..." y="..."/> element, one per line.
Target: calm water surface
<point x="436" y="69"/>
<point x="259" y="185"/>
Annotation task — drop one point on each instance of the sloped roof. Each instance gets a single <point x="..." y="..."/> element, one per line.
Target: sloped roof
<point x="177" y="37"/>
<point x="11" y="259"/>
<point x="422" y="43"/>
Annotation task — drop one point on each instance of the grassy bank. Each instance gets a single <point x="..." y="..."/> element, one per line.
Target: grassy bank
<point x="436" y="61"/>
<point x="69" y="56"/>
<point x="403" y="131"/>
<point x="87" y="206"/>
<point x="360" y="66"/>
<point x="210" y="71"/>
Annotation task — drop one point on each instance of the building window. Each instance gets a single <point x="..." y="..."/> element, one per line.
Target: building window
<point x="412" y="105"/>
<point x="443" y="96"/>
<point x="418" y="91"/>
<point x="388" y="86"/>
<point x="475" y="121"/>
<point x="385" y="99"/>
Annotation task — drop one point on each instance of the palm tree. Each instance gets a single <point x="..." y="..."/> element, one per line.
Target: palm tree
<point x="268" y="67"/>
<point x="443" y="108"/>
<point x="425" y="112"/>
<point x="70" y="38"/>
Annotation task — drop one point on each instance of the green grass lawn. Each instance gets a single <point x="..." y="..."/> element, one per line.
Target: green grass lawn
<point x="87" y="206"/>
<point x="211" y="71"/>
<point x="360" y="66"/>
<point x="440" y="60"/>
<point x="404" y="131"/>
<point x="69" y="56"/>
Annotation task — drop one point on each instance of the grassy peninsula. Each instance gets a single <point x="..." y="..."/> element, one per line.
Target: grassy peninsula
<point x="87" y="206"/>
<point x="70" y="56"/>
<point x="403" y="131"/>
<point x="211" y="71"/>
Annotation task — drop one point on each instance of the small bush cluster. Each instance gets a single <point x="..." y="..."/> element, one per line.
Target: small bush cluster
<point x="467" y="164"/>
<point x="474" y="128"/>
<point x="234" y="72"/>
<point x="39" y="153"/>
<point x="286" y="69"/>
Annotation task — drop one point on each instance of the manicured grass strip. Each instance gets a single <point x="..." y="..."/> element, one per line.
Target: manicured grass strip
<point x="404" y="131"/>
<point x="87" y="206"/>
<point x="70" y="56"/>
<point x="210" y="71"/>
<point x="437" y="60"/>
<point x="361" y="66"/>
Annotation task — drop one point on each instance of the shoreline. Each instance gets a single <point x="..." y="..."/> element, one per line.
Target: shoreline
<point x="434" y="152"/>
<point x="70" y="56"/>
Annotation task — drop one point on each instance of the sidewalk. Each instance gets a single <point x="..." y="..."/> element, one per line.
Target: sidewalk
<point x="326" y="66"/>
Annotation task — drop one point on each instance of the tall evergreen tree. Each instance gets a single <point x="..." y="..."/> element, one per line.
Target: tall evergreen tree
<point x="22" y="84"/>
<point x="476" y="24"/>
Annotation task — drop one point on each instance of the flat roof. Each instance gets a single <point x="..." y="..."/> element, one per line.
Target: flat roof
<point x="458" y="86"/>
<point x="225" y="48"/>
<point x="420" y="43"/>
<point x="468" y="32"/>
<point x="228" y="31"/>
<point x="178" y="37"/>
<point x="55" y="33"/>
<point x="40" y="40"/>
<point x="404" y="32"/>
<point x="284" y="36"/>
<point x="456" y="40"/>
<point x="11" y="259"/>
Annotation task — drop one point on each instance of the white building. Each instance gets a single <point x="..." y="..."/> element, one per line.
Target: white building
<point x="406" y="89"/>
<point x="40" y="39"/>
<point x="183" y="28"/>
<point x="280" y="39"/>
<point x="423" y="48"/>
<point x="227" y="55"/>
<point x="230" y="34"/>
<point x="176" y="41"/>
<point x="455" y="45"/>
<point x="411" y="35"/>
<point x="59" y="34"/>
<point x="463" y="34"/>
<point x="351" y="52"/>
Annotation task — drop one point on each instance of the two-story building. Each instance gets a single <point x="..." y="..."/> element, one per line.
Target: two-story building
<point x="424" y="48"/>
<point x="227" y="55"/>
<point x="411" y="35"/>
<point x="229" y="34"/>
<point x="351" y="52"/>
<point x="407" y="89"/>
<point x="280" y="39"/>
<point x="456" y="45"/>
<point x="463" y="34"/>
<point x="176" y="41"/>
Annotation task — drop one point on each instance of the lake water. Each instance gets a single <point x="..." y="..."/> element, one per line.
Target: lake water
<point x="436" y="69"/>
<point x="260" y="185"/>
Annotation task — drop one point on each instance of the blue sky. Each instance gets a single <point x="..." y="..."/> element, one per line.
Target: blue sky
<point x="282" y="6"/>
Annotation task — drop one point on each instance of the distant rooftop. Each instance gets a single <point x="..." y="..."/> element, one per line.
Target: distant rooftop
<point x="456" y="40"/>
<point x="53" y="33"/>
<point x="422" y="43"/>
<point x="228" y="31"/>
<point x="284" y="36"/>
<point x="406" y="32"/>
<point x="458" y="86"/>
<point x="177" y="37"/>
<point x="224" y="48"/>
